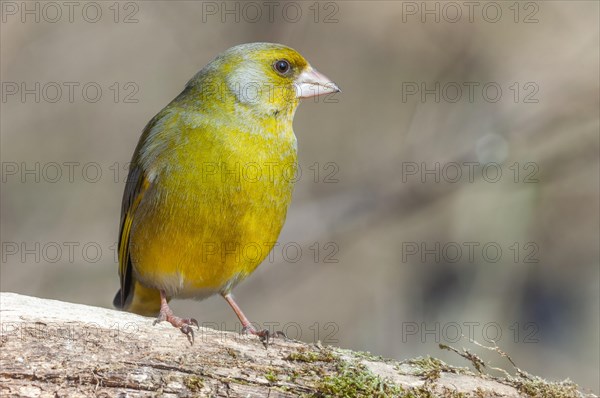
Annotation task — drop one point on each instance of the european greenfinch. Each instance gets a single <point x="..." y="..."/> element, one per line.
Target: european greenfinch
<point x="211" y="180"/>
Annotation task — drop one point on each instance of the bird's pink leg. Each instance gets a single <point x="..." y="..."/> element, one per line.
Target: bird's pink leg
<point x="183" y="324"/>
<point x="247" y="327"/>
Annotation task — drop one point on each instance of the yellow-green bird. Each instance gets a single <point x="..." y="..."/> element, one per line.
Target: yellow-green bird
<point x="211" y="180"/>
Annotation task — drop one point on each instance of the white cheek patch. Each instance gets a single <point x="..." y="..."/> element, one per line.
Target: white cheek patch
<point x="249" y="84"/>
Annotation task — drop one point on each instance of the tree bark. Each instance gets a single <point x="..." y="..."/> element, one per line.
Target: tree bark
<point x="53" y="349"/>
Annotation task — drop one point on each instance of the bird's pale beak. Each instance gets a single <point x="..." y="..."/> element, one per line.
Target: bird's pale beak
<point x="311" y="83"/>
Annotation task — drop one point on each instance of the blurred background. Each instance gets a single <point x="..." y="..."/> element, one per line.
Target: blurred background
<point x="452" y="188"/>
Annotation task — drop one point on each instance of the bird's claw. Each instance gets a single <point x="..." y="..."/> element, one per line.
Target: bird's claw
<point x="189" y="333"/>
<point x="264" y="335"/>
<point x="185" y="325"/>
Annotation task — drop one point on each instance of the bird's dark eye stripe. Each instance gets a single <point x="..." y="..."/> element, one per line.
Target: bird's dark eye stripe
<point x="282" y="66"/>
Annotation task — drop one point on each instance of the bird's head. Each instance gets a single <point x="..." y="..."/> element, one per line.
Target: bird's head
<point x="268" y="79"/>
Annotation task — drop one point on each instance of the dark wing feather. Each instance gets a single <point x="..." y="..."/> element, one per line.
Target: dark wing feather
<point x="135" y="187"/>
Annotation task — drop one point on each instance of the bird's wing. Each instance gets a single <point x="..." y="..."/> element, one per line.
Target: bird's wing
<point x="135" y="187"/>
<point x="133" y="296"/>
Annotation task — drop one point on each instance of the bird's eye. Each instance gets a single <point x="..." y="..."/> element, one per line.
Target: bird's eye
<point x="282" y="66"/>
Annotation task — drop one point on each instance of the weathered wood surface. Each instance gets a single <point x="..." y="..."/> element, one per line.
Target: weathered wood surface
<point x="55" y="349"/>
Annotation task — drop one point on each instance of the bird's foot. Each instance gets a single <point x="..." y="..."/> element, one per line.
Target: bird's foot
<point x="264" y="335"/>
<point x="183" y="324"/>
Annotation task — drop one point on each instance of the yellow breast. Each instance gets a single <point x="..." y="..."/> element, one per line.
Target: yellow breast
<point x="217" y="202"/>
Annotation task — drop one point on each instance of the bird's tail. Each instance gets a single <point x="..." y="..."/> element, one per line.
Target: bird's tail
<point x="140" y="300"/>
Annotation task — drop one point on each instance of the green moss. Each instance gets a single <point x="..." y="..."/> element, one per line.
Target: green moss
<point x="417" y="392"/>
<point x="271" y="377"/>
<point x="355" y="380"/>
<point x="293" y="376"/>
<point x="368" y="356"/>
<point x="537" y="387"/>
<point x="342" y="378"/>
<point x="193" y="383"/>
<point x="305" y="355"/>
<point x="428" y="365"/>
<point x="525" y="383"/>
<point x="426" y="392"/>
<point x="431" y="368"/>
